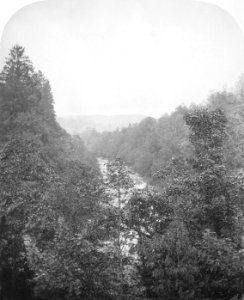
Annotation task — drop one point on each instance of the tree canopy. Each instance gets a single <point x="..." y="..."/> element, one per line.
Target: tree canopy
<point x="64" y="226"/>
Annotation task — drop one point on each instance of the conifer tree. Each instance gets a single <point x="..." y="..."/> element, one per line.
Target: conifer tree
<point x="18" y="91"/>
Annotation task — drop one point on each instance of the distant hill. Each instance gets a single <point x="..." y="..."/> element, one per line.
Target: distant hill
<point x="79" y="124"/>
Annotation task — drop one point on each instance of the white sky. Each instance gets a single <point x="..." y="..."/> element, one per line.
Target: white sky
<point x="128" y="56"/>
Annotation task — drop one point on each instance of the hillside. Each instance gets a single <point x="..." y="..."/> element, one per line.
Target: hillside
<point x="49" y="197"/>
<point x="80" y="123"/>
<point x="149" y="146"/>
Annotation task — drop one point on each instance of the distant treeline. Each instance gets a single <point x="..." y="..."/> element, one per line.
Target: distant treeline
<point x="80" y="123"/>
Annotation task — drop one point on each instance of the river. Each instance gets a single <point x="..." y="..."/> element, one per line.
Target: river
<point x="129" y="238"/>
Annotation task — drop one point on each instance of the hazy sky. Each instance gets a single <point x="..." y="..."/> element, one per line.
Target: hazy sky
<point x="130" y="56"/>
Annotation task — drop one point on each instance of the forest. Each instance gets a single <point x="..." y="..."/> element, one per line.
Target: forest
<point x="71" y="229"/>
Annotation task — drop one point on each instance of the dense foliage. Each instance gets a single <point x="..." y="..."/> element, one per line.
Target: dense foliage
<point x="50" y="196"/>
<point x="190" y="226"/>
<point x="149" y="146"/>
<point x="191" y="232"/>
<point x="146" y="147"/>
<point x="67" y="231"/>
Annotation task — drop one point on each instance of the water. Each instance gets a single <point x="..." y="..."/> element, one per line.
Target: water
<point x="129" y="238"/>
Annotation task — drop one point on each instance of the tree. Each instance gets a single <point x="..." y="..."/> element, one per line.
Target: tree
<point x="190" y="233"/>
<point x="49" y="199"/>
<point x="231" y="103"/>
<point x="18" y="89"/>
<point x="19" y="165"/>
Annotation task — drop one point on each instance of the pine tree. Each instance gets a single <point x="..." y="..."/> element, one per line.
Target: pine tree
<point x="25" y="168"/>
<point x="18" y="91"/>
